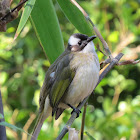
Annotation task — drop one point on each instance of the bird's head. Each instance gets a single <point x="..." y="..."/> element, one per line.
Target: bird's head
<point x="81" y="43"/>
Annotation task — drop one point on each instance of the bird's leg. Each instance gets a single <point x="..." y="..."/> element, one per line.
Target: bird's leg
<point x="75" y="110"/>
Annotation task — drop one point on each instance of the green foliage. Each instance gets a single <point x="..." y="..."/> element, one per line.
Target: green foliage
<point x="13" y="127"/>
<point x="72" y="13"/>
<point x="115" y="112"/>
<point x="43" y="17"/>
<point x="90" y="137"/>
<point x="25" y="15"/>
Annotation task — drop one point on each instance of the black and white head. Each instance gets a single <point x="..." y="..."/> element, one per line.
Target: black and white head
<point x="81" y="43"/>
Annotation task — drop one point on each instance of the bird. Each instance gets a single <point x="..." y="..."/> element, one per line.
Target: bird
<point x="71" y="78"/>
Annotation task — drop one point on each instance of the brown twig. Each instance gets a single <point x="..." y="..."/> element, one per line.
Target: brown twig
<point x="127" y="62"/>
<point x="9" y="16"/>
<point x="15" y="8"/>
<point x="83" y="121"/>
<point x="99" y="49"/>
<point x="73" y="116"/>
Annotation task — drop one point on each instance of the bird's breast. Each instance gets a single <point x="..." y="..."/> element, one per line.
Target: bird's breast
<point x="85" y="80"/>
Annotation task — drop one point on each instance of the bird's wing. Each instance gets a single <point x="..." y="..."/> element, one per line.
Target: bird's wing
<point x="57" y="80"/>
<point x="60" y="86"/>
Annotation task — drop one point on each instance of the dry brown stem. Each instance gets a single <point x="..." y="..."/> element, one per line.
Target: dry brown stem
<point x="127" y="62"/>
<point x="83" y="121"/>
<point x="8" y="15"/>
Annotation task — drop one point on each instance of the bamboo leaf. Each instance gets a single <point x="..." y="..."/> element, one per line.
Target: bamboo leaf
<point x="13" y="127"/>
<point x="75" y="16"/>
<point x="46" y="25"/>
<point x="25" y="15"/>
<point x="90" y="137"/>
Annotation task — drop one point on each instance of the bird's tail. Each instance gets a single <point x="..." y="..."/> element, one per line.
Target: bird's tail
<point x="41" y="118"/>
<point x="37" y="127"/>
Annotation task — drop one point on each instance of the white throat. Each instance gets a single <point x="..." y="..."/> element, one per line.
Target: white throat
<point x="89" y="48"/>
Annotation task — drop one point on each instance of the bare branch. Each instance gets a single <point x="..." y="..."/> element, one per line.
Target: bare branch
<point x="83" y="121"/>
<point x="73" y="116"/>
<point x="127" y="62"/>
<point x="15" y="8"/>
<point x="99" y="49"/>
<point x="80" y="8"/>
<point x="9" y="16"/>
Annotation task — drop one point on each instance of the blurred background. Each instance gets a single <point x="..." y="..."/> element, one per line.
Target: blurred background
<point x="115" y="110"/>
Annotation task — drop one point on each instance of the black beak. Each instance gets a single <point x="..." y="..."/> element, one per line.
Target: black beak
<point x="87" y="41"/>
<point x="91" y="38"/>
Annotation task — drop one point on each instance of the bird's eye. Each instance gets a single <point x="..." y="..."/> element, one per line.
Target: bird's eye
<point x="79" y="43"/>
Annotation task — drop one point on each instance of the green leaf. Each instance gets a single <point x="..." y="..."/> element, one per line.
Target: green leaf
<point x="90" y="137"/>
<point x="25" y="15"/>
<point x="1" y="116"/>
<point x="13" y="127"/>
<point x="46" y="25"/>
<point x="76" y="17"/>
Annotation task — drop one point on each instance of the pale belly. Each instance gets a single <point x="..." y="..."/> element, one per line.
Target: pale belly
<point x="82" y="85"/>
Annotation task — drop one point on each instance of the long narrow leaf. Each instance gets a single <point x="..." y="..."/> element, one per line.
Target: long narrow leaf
<point x="75" y="17"/>
<point x="47" y="28"/>
<point x="13" y="127"/>
<point x="90" y="137"/>
<point x="25" y="15"/>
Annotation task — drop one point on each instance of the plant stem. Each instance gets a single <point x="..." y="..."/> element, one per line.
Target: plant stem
<point x="83" y="121"/>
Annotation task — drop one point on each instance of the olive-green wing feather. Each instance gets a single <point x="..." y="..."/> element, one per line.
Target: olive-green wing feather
<point x="57" y="67"/>
<point x="60" y="86"/>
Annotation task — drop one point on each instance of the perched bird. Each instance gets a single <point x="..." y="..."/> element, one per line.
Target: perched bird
<point x="70" y="79"/>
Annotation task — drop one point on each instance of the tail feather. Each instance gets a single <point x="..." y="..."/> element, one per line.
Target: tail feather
<point x="37" y="127"/>
<point x="41" y="118"/>
<point x="46" y="112"/>
<point x="59" y="111"/>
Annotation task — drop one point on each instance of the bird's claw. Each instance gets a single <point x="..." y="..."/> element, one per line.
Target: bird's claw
<point x="78" y="111"/>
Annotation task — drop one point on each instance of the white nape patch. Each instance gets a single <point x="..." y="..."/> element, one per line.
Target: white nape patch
<point x="73" y="40"/>
<point x="52" y="74"/>
<point x="89" y="48"/>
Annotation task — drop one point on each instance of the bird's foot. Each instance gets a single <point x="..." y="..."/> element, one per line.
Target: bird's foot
<point x="78" y="111"/>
